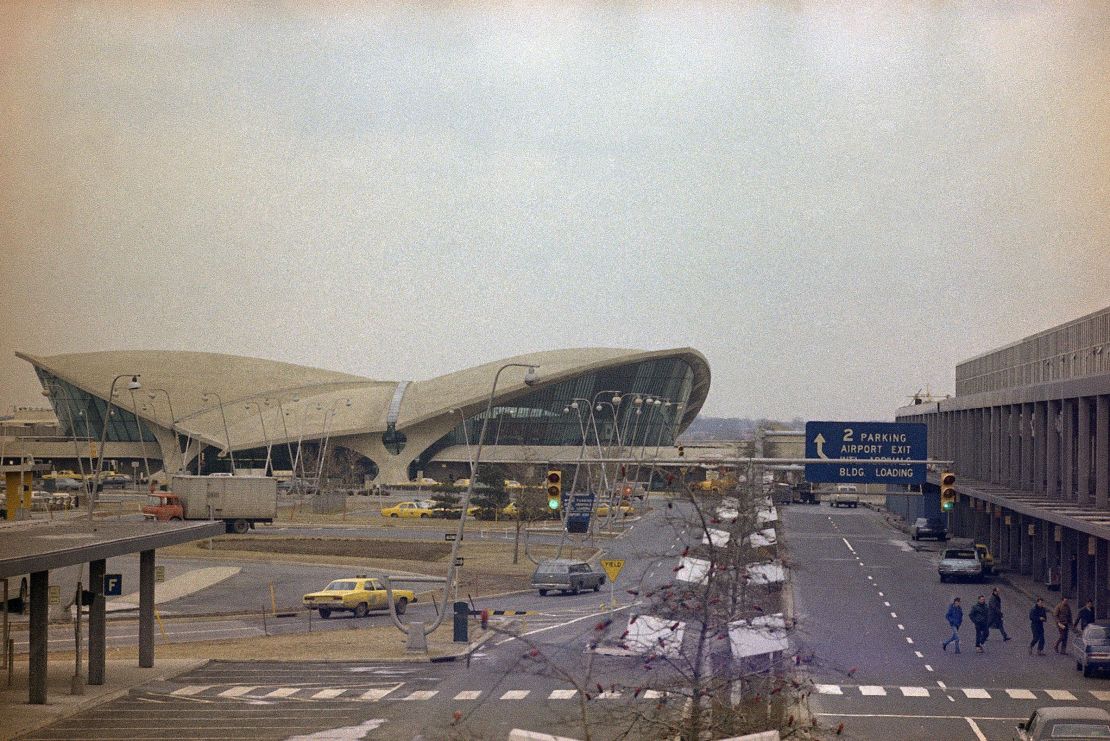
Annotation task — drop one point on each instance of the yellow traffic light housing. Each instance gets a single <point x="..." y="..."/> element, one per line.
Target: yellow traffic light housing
<point x="948" y="494"/>
<point x="554" y="489"/>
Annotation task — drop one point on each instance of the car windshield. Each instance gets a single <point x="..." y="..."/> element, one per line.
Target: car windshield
<point x="340" y="586"/>
<point x="961" y="554"/>
<point x="155" y="501"/>
<point x="1080" y="730"/>
<point x="935" y="523"/>
<point x="1096" y="634"/>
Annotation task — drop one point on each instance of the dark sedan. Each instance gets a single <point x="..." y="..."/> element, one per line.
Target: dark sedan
<point x="929" y="527"/>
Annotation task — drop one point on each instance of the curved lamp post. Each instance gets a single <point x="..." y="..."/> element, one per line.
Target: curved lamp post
<point x="266" y="437"/>
<point x="466" y="438"/>
<point x="132" y="385"/>
<point x="227" y="435"/>
<point x="173" y="425"/>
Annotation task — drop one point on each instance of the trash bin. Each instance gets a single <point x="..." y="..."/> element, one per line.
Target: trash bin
<point x="462" y="622"/>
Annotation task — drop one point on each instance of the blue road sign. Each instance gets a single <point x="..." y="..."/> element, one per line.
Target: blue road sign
<point x="866" y="440"/>
<point x="579" y="507"/>
<point x="113" y="585"/>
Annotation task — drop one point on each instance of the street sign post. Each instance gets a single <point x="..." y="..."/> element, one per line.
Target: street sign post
<point x="578" y="508"/>
<point x="612" y="568"/>
<point x="855" y="442"/>
<point x="113" y="585"/>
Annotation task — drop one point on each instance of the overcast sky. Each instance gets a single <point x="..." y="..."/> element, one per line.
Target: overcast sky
<point x="833" y="204"/>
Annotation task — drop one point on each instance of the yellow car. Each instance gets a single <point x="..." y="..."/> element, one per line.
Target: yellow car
<point x="357" y="595"/>
<point x="513" y="485"/>
<point x="510" y="511"/>
<point x="624" y="510"/>
<point x="408" y="509"/>
<point x="425" y="481"/>
<point x="66" y="474"/>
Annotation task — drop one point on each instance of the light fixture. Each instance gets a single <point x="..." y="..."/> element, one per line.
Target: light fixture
<point x="531" y="378"/>
<point x="133" y="384"/>
<point x="616" y="400"/>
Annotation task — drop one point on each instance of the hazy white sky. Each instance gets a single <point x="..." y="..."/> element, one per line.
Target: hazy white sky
<point x="834" y="203"/>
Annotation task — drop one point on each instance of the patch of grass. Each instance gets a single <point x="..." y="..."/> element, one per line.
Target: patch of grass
<point x="359" y="547"/>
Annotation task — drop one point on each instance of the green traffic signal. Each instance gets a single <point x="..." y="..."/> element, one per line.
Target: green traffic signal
<point x="553" y="504"/>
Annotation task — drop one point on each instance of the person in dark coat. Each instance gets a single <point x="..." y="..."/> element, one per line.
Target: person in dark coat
<point x="1086" y="615"/>
<point x="955" y="618"/>
<point x="981" y="617"/>
<point x="1062" y="613"/>
<point x="1037" y="617"/>
<point x="994" y="604"/>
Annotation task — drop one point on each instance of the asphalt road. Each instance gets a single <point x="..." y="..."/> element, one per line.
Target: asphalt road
<point x="872" y="623"/>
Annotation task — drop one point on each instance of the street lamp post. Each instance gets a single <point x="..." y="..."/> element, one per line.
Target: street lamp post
<point x="227" y="435"/>
<point x="466" y="438"/>
<point x="132" y="385"/>
<point x="285" y="429"/>
<point x="265" y="437"/>
<point x="173" y="425"/>
<point x="325" y="434"/>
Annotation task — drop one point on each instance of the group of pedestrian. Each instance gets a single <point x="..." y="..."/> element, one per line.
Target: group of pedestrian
<point x="986" y="614"/>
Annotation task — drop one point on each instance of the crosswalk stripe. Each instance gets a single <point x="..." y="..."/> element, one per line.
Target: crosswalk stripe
<point x="469" y="695"/>
<point x="562" y="694"/>
<point x="1021" y="695"/>
<point x="1103" y="695"/>
<point x="327" y="694"/>
<point x="914" y="692"/>
<point x="872" y="689"/>
<point x="236" y="691"/>
<point x="1060" y="694"/>
<point x="976" y="694"/>
<point x="422" y="695"/>
<point x="283" y="692"/>
<point x="829" y="689"/>
<point x="651" y="694"/>
<point x="189" y="690"/>
<point x="609" y="695"/>
<point x="377" y="693"/>
<point x="515" y="695"/>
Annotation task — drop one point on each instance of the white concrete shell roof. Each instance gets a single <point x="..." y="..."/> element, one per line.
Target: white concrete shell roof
<point x="352" y="404"/>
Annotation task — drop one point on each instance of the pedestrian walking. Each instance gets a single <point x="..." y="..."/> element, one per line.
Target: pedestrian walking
<point x="994" y="604"/>
<point x="981" y="618"/>
<point x="1086" y="615"/>
<point x="1062" y="614"/>
<point x="1037" y="617"/>
<point x="955" y="618"/>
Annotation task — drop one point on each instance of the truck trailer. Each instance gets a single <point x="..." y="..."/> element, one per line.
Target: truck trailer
<point x="240" y="501"/>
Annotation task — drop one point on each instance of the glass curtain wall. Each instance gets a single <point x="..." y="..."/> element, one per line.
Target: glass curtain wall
<point x="81" y="414"/>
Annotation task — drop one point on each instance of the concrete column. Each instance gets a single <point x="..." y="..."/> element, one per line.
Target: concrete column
<point x="1067" y="443"/>
<point x="994" y="528"/>
<point x="97" y="622"/>
<point x="1101" y="593"/>
<point x="146" y="608"/>
<point x="1083" y="452"/>
<point x="1027" y="448"/>
<point x="1013" y="563"/>
<point x="1086" y="570"/>
<point x="1040" y="411"/>
<point x="1052" y="450"/>
<point x="1009" y="450"/>
<point x="996" y="444"/>
<point x="1102" y="451"/>
<point x="1040" y="557"/>
<point x="39" y="630"/>
<point x="1028" y="545"/>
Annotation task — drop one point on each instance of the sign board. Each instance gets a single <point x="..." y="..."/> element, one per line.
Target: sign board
<point x="612" y="567"/>
<point x="449" y="536"/>
<point x="578" y="509"/>
<point x="859" y="441"/>
<point x="113" y="585"/>
<point x="159" y="574"/>
<point x="458" y="561"/>
<point x="55" y="594"/>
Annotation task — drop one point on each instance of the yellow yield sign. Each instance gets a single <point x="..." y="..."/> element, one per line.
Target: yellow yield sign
<point x="612" y="567"/>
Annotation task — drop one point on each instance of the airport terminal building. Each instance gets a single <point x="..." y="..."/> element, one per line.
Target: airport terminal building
<point x="205" y="412"/>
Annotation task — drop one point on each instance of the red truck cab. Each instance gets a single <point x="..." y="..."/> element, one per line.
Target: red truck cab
<point x="163" y="506"/>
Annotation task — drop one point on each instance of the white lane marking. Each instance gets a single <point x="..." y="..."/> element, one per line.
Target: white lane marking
<point x="914" y="692"/>
<point x="853" y="550"/>
<point x="887" y="604"/>
<point x="1103" y="695"/>
<point x="974" y="727"/>
<point x="515" y="695"/>
<point x="829" y="689"/>
<point x="469" y="695"/>
<point x="422" y="695"/>
<point x="881" y="594"/>
<point x="609" y="695"/>
<point x="327" y="694"/>
<point x="563" y="625"/>
<point x="563" y="694"/>
<point x="933" y="717"/>
<point x="941" y="685"/>
<point x="346" y="733"/>
<point x="236" y="691"/>
<point x="189" y="690"/>
<point x="379" y="692"/>
<point x="652" y="694"/>
<point x="1021" y="695"/>
<point x="283" y="692"/>
<point x="872" y="690"/>
<point x="894" y="615"/>
<point x="974" y="693"/>
<point x="901" y="627"/>
<point x="928" y="668"/>
<point x="919" y="655"/>
<point x="909" y="640"/>
<point x="869" y="578"/>
<point x="1060" y="694"/>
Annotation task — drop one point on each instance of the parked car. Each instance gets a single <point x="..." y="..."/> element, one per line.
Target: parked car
<point x="846" y="495"/>
<point x="624" y="509"/>
<point x="1065" y="723"/>
<point x="67" y="484"/>
<point x="425" y="481"/>
<point x="408" y="509"/>
<point x="119" y="481"/>
<point x="566" y="575"/>
<point x="929" y="527"/>
<point x="960" y="563"/>
<point x="985" y="558"/>
<point x="1092" y="648"/>
<point x="357" y="595"/>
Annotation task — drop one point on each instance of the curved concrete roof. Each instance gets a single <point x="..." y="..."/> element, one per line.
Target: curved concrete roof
<point x="350" y="404"/>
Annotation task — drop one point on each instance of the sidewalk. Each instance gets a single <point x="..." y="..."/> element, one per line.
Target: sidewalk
<point x="17" y="716"/>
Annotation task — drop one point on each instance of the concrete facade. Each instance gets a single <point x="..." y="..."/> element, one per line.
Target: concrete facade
<point x="1029" y="434"/>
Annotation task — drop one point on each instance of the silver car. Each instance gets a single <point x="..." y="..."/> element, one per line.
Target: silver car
<point x="566" y="575"/>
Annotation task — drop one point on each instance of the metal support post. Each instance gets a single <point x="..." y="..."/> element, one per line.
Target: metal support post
<point x="97" y="622"/>
<point x="146" y="609"/>
<point x="39" y="635"/>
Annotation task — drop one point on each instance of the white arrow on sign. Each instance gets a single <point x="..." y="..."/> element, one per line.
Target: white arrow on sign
<point x="820" y="441"/>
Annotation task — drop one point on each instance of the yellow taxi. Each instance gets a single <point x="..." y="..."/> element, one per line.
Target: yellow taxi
<point x="624" y="509"/>
<point x="408" y="509"/>
<point x="510" y="511"/>
<point x="357" y="595"/>
<point x="425" y="481"/>
<point x="513" y="485"/>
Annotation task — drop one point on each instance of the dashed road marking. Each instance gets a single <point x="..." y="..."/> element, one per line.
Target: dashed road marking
<point x="975" y="693"/>
<point x="189" y="690"/>
<point x="1060" y="695"/>
<point x="283" y="692"/>
<point x="914" y="692"/>
<point x="1103" y="695"/>
<point x="236" y="691"/>
<point x="872" y="690"/>
<point x="515" y="695"/>
<point x="562" y="694"/>
<point x="1021" y="694"/>
<point x="829" y="689"/>
<point x="469" y="695"/>
<point x="421" y="695"/>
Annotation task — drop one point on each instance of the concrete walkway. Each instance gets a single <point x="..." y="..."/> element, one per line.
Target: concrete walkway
<point x="177" y="587"/>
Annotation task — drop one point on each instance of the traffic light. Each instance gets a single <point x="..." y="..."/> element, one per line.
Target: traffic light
<point x="554" y="489"/>
<point x="681" y="451"/>
<point x="948" y="494"/>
